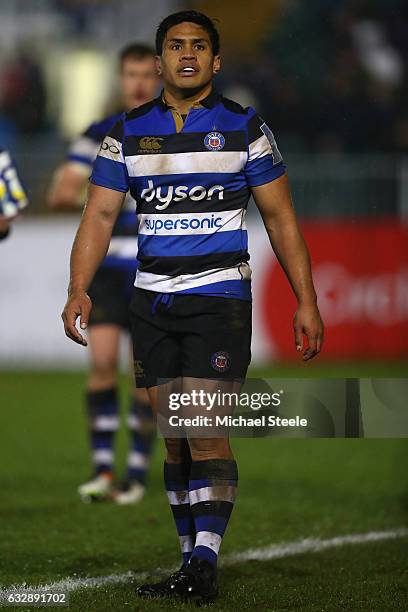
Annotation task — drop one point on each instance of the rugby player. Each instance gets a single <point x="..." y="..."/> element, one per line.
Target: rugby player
<point x="191" y="307"/>
<point x="110" y="293"/>
<point x="13" y="198"/>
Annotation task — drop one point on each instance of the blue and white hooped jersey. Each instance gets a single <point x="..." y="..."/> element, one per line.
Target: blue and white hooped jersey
<point x="82" y="153"/>
<point x="13" y="198"/>
<point x="191" y="183"/>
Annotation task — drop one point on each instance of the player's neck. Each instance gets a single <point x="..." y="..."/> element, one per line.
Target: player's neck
<point x="183" y="100"/>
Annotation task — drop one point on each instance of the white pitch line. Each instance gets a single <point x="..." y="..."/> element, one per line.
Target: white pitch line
<point x="274" y="551"/>
<point x="278" y="551"/>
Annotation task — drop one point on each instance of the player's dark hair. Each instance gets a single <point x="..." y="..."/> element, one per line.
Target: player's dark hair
<point x="190" y="17"/>
<point x="135" y="51"/>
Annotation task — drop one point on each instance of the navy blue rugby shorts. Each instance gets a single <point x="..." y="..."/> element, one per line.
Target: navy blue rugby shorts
<point x="178" y="335"/>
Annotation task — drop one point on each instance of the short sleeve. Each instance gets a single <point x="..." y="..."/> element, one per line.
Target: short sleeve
<point x="109" y="168"/>
<point x="84" y="149"/>
<point x="265" y="163"/>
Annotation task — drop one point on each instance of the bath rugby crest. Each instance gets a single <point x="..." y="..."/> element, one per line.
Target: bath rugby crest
<point x="220" y="361"/>
<point x="214" y="141"/>
<point x="192" y="183"/>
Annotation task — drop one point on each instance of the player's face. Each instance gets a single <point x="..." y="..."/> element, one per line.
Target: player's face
<point x="187" y="61"/>
<point x="139" y="81"/>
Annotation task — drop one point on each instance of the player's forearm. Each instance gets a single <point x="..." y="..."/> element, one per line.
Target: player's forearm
<point x="291" y="250"/>
<point x="89" y="248"/>
<point x="275" y="205"/>
<point x="94" y="233"/>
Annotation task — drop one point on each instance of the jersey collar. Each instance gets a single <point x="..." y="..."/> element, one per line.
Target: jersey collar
<point x="209" y="102"/>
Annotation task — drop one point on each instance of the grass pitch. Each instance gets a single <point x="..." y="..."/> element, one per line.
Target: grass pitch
<point x="289" y="489"/>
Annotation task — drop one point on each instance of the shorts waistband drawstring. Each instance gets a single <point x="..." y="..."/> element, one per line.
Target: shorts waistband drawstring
<point x="166" y="299"/>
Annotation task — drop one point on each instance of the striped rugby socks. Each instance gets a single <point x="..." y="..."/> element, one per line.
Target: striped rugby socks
<point x="103" y="415"/>
<point x="212" y="490"/>
<point x="176" y="477"/>
<point x="142" y="427"/>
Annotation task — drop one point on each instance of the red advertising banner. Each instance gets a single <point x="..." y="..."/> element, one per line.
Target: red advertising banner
<point x="360" y="271"/>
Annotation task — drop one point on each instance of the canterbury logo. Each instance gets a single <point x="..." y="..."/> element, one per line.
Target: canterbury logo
<point x="139" y="371"/>
<point x="150" y="143"/>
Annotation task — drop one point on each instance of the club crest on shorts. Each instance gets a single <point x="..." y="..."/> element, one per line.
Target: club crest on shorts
<point x="214" y="141"/>
<point x="221" y="361"/>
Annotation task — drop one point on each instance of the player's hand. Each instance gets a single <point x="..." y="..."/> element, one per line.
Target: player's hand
<point x="78" y="305"/>
<point x="308" y="322"/>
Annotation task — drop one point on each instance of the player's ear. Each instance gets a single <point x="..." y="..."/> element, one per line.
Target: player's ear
<point x="216" y="64"/>
<point x="158" y="64"/>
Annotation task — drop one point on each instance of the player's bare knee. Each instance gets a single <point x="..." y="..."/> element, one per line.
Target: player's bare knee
<point x="141" y="395"/>
<point x="175" y="450"/>
<point x="209" y="448"/>
<point x="103" y="373"/>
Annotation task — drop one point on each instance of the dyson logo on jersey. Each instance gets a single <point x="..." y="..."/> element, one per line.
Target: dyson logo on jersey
<point x="181" y="192"/>
<point x="155" y="225"/>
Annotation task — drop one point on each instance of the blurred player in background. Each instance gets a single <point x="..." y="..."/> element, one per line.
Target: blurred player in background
<point x="13" y="198"/>
<point x="110" y="293"/>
